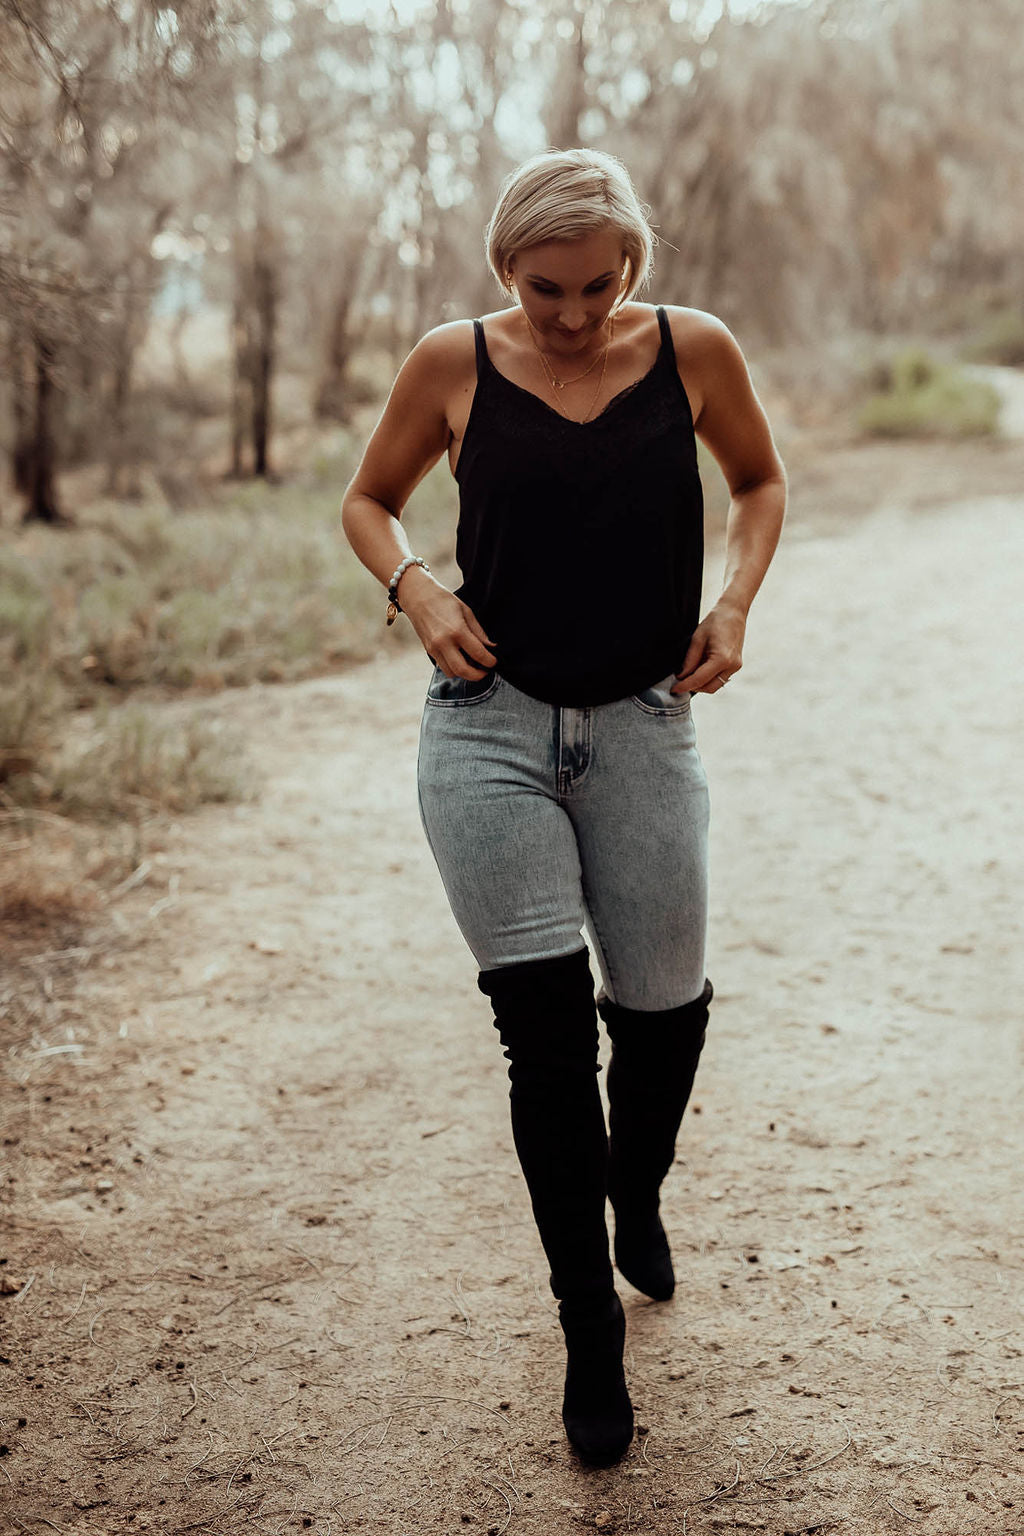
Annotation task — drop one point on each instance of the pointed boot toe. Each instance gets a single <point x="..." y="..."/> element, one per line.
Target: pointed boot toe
<point x="643" y="1257"/>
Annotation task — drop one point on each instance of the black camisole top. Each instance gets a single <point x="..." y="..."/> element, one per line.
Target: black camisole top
<point x="581" y="544"/>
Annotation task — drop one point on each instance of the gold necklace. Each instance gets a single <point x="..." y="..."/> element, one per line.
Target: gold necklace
<point x="552" y="376"/>
<point x="559" y="384"/>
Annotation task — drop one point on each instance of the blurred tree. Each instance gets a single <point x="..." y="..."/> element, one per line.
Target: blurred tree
<point x="87" y="90"/>
<point x="328" y="173"/>
<point x="303" y="98"/>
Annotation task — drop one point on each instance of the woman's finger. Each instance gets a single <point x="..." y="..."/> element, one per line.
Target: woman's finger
<point x="702" y="675"/>
<point x="475" y="649"/>
<point x="476" y="626"/>
<point x="472" y="671"/>
<point x="717" y="669"/>
<point x="694" y="653"/>
<point x="453" y="660"/>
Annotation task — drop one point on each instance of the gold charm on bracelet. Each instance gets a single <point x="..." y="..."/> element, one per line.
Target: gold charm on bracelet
<point x="392" y="613"/>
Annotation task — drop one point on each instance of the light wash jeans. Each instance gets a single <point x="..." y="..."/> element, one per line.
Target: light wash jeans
<point x="545" y="819"/>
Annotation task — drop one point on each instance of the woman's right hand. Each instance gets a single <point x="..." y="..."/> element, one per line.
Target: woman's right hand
<point x="448" y="629"/>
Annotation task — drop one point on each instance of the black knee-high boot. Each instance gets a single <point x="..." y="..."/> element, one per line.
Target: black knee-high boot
<point x="650" y="1075"/>
<point x="545" y="1013"/>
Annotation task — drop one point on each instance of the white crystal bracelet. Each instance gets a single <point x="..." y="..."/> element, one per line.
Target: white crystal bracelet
<point x="394" y="608"/>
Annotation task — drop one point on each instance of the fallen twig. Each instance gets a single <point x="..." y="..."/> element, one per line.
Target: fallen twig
<point x="294" y="1248"/>
<point x="977" y="1461"/>
<point x="268" y="1285"/>
<point x="711" y="1497"/>
<point x="195" y="1464"/>
<point x="508" y="1501"/>
<point x="826" y="1459"/>
<point x="466" y="1402"/>
<point x="902" y="1512"/>
<point x="136" y="877"/>
<point x="78" y="1308"/>
<point x="802" y="1471"/>
<point x="92" y="1324"/>
<point x="1009" y="1398"/>
<point x="459" y="1300"/>
<point x="20" y="1295"/>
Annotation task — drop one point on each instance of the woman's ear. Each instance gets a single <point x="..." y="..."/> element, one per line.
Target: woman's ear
<point x="625" y="277"/>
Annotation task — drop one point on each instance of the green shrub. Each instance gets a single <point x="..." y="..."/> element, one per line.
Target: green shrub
<point x="917" y="396"/>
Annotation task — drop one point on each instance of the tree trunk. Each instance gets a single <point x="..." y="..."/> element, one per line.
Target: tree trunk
<point x="262" y="351"/>
<point x="117" y="443"/>
<point x="241" y="373"/>
<point x="331" y="402"/>
<point x="21" y="403"/>
<point x="41" y="490"/>
<point x="570" y="93"/>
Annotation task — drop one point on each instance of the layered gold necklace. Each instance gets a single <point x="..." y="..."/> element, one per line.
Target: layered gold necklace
<point x="557" y="385"/>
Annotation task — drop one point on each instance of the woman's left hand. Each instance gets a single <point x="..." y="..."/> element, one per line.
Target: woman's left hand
<point x="715" y="651"/>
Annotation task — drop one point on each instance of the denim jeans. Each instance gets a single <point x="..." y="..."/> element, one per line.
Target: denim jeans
<point x="544" y="820"/>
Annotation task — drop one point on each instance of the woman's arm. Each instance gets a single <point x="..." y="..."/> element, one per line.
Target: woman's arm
<point x="410" y="437"/>
<point x="732" y="422"/>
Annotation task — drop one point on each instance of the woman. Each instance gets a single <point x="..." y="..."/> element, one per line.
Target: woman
<point x="558" y="772"/>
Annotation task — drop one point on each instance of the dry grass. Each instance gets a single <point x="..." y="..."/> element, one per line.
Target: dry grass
<point x="256" y="585"/>
<point x="139" y="762"/>
<point x="140" y="599"/>
<point x="35" y="896"/>
<point x="47" y="883"/>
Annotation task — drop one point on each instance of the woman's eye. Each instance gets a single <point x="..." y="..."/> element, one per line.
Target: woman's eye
<point x="552" y="293"/>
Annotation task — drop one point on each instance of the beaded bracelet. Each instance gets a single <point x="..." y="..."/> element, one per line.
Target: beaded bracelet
<point x="394" y="608"/>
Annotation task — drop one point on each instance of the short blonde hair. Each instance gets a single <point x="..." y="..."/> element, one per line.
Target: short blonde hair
<point x="564" y="194"/>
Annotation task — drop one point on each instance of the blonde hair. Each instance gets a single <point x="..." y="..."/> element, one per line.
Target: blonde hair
<point x="564" y="194"/>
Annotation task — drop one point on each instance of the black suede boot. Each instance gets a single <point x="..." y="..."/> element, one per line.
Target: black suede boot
<point x="596" y="1410"/>
<point x="545" y="1013"/>
<point x="650" y="1075"/>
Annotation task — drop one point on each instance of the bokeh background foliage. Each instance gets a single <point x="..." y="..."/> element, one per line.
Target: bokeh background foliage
<point x="223" y="224"/>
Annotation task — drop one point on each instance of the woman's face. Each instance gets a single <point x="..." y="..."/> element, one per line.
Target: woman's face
<point x="568" y="287"/>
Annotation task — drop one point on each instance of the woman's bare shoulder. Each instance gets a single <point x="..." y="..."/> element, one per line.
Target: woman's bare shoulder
<point x="437" y="372"/>
<point x="445" y="358"/>
<point x="448" y="346"/>
<point x="699" y="331"/>
<point x="708" y="356"/>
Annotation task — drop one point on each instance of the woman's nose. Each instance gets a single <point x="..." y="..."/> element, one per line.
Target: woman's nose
<point x="572" y="317"/>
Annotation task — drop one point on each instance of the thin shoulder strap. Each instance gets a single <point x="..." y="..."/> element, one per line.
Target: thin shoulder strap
<point x="482" y="358"/>
<point x="665" y="328"/>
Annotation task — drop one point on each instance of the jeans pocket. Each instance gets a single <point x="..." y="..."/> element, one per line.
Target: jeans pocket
<point x="453" y="692"/>
<point x="659" y="700"/>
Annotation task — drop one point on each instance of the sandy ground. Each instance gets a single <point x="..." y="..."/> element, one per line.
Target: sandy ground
<point x="269" y="1262"/>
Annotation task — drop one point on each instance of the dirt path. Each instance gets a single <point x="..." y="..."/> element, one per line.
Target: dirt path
<point x="271" y="1263"/>
<point x="1009" y="383"/>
